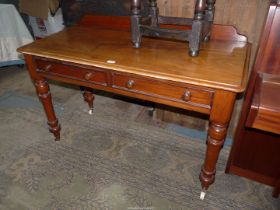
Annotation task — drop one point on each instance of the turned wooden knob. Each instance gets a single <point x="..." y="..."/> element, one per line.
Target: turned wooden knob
<point x="187" y="95"/>
<point x="130" y="84"/>
<point x="48" y="67"/>
<point x="88" y="75"/>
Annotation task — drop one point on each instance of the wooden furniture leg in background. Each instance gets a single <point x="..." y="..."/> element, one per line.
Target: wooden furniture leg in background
<point x="209" y="16"/>
<point x="197" y="27"/>
<point x="154" y="12"/>
<point x="218" y="124"/>
<point x="276" y="191"/>
<point x="135" y="23"/>
<point x="44" y="94"/>
<point x="89" y="97"/>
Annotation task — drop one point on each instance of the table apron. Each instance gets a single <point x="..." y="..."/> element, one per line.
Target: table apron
<point x="177" y="94"/>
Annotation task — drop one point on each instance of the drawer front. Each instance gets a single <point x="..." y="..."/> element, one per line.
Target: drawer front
<point x="161" y="89"/>
<point x="68" y="71"/>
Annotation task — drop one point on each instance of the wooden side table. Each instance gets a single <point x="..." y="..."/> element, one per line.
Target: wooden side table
<point x="98" y="54"/>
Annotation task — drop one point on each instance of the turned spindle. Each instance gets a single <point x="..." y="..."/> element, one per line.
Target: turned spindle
<point x="197" y="28"/>
<point x="154" y="12"/>
<point x="135" y="23"/>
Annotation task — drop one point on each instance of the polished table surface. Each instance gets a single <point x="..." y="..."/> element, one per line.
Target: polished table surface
<point x="220" y="64"/>
<point x="160" y="71"/>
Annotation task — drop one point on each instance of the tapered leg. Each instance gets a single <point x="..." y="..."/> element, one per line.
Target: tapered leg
<point x="219" y="120"/>
<point x="135" y="23"/>
<point x="197" y="28"/>
<point x="89" y="97"/>
<point x="44" y="95"/>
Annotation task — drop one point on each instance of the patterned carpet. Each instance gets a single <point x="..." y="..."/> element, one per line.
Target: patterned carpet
<point x="110" y="161"/>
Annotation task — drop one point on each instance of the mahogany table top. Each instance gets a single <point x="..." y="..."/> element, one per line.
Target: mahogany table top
<point x="220" y="65"/>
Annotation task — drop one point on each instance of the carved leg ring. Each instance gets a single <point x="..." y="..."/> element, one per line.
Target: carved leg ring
<point x="89" y="97"/>
<point x="44" y="95"/>
<point x="215" y="141"/>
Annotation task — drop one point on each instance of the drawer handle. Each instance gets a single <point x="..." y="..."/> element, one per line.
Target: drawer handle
<point x="88" y="75"/>
<point x="48" y="67"/>
<point x="187" y="95"/>
<point x="130" y="84"/>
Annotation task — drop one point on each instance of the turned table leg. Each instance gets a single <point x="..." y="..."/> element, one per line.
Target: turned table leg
<point x="219" y="120"/>
<point x="44" y="94"/>
<point x="89" y="97"/>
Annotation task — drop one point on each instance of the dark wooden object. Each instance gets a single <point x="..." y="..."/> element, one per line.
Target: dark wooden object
<point x="150" y="24"/>
<point x="88" y="95"/>
<point x="74" y="10"/>
<point x="83" y="55"/>
<point x="255" y="152"/>
<point x="264" y="113"/>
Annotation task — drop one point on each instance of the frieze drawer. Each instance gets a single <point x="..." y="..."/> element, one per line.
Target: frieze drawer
<point x="165" y="90"/>
<point x="72" y="72"/>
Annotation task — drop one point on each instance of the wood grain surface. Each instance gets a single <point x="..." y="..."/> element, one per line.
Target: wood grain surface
<point x="221" y="64"/>
<point x="265" y="110"/>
